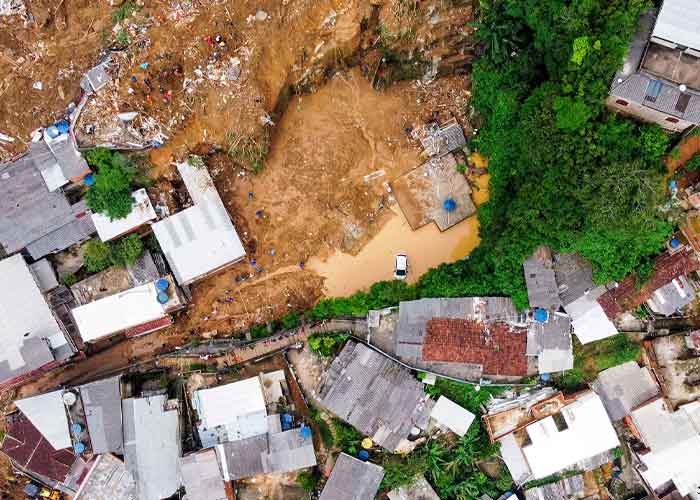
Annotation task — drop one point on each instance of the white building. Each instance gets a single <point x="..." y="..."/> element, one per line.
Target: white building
<point x="141" y="213"/>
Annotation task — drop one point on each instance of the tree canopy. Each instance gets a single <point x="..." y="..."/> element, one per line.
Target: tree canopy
<point x="111" y="193"/>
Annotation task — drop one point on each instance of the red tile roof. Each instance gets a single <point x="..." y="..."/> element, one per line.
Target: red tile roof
<point x="149" y="327"/>
<point x="498" y="347"/>
<point x="25" y="445"/>
<point x="627" y="296"/>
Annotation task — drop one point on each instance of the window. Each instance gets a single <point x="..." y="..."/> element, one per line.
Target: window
<point x="682" y="103"/>
<point x="560" y="422"/>
<point x="672" y="120"/>
<point x="621" y="102"/>
<point x="653" y="90"/>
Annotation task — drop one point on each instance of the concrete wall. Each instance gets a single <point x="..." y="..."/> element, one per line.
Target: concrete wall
<point x="646" y="114"/>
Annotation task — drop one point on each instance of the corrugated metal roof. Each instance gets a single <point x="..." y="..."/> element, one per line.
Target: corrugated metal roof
<point x="202" y="238"/>
<point x="374" y="394"/>
<point x="542" y="290"/>
<point x="201" y="476"/>
<point x="108" y="479"/>
<point x="449" y="414"/>
<point x="672" y="297"/>
<point x="103" y="411"/>
<point x="152" y="446"/>
<point x="574" y="276"/>
<point x="141" y="213"/>
<point x="624" y="387"/>
<point x="28" y="329"/>
<point x="44" y="274"/>
<point x="77" y="230"/>
<point x="678" y="22"/>
<point x="48" y="414"/>
<point x="352" y="479"/>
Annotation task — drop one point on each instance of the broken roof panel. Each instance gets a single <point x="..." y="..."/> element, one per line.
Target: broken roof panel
<point x="103" y="412"/>
<point x="588" y="317"/>
<point x="28" y="329"/>
<point x="542" y="289"/>
<point x="672" y="297"/>
<point x="141" y="213"/>
<point x="352" y="479"/>
<point x="108" y="478"/>
<point x="574" y="276"/>
<point x="449" y="414"/>
<point x="201" y="239"/>
<point x="201" y="476"/>
<point x="624" y="387"/>
<point x="374" y="394"/>
<point x="73" y="165"/>
<point x="152" y="446"/>
<point x="47" y="413"/>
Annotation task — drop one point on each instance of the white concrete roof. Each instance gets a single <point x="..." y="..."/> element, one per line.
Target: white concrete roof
<point x="199" y="239"/>
<point x="48" y="414"/>
<point x="238" y="407"/>
<point x="679" y="22"/>
<point x="589" y="320"/>
<point x="24" y="316"/>
<point x="449" y="414"/>
<point x="674" y="440"/>
<point x="589" y="433"/>
<point x="141" y="213"/>
<point x="118" y="312"/>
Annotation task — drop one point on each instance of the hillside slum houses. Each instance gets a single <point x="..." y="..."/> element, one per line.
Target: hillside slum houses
<point x="58" y="323"/>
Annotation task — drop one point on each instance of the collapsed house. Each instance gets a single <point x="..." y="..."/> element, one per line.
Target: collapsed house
<point x="152" y="445"/>
<point x="659" y="81"/>
<point x="201" y="239"/>
<point x="352" y="479"/>
<point x="543" y="433"/>
<point x="675" y="362"/>
<point x="34" y="341"/>
<point x="668" y="450"/>
<point x="376" y="395"/>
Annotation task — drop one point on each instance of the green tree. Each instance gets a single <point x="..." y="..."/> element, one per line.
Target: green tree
<point x="98" y="256"/>
<point x="127" y="250"/>
<point x="111" y="193"/>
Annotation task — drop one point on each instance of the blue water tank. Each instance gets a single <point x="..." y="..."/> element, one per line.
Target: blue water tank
<point x="675" y="243"/>
<point x="541" y="315"/>
<point x="76" y="428"/>
<point x="672" y="185"/>
<point x="89" y="180"/>
<point x="163" y="297"/>
<point x="363" y="455"/>
<point x="305" y="432"/>
<point x="79" y="448"/>
<point x="162" y="285"/>
<point x="31" y="490"/>
<point x="52" y="131"/>
<point x="63" y="126"/>
<point x="545" y="376"/>
<point x="449" y="204"/>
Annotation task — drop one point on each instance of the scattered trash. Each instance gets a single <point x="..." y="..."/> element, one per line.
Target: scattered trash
<point x="374" y="175"/>
<point x="259" y="16"/>
<point x="143" y="66"/>
<point x="6" y="138"/>
<point x="329" y="21"/>
<point x="38" y="86"/>
<point x="258" y="213"/>
<point x="128" y="116"/>
<point x="267" y="120"/>
<point x="250" y="195"/>
<point x="12" y="7"/>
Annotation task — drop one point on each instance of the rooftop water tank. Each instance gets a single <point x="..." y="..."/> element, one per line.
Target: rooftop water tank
<point x="367" y="443"/>
<point x="76" y="428"/>
<point x="306" y="432"/>
<point x="89" y="180"/>
<point x="163" y="297"/>
<point x="363" y="455"/>
<point x="545" y="376"/>
<point x="541" y="315"/>
<point x="162" y="285"/>
<point x="69" y="398"/>
<point x="449" y="204"/>
<point x="63" y="126"/>
<point x="79" y="448"/>
<point x="52" y="131"/>
<point x="675" y="243"/>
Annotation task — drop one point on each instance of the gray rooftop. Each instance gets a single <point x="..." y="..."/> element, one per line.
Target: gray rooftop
<point x="376" y="395"/>
<point x="678" y="22"/>
<point x="77" y="230"/>
<point x="108" y="479"/>
<point x="352" y="479"/>
<point x="551" y="343"/>
<point x="624" y="387"/>
<point x="672" y="297"/>
<point x="414" y="316"/>
<point x="103" y="411"/>
<point x="44" y="274"/>
<point x="542" y="290"/>
<point x="266" y="454"/>
<point x="152" y="446"/>
<point x="564" y="489"/>
<point x="202" y="477"/>
<point x="440" y="140"/>
<point x="69" y="159"/>
<point x="574" y="276"/>
<point x="29" y="210"/>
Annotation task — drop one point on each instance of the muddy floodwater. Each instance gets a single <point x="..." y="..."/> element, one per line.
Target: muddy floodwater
<point x="427" y="247"/>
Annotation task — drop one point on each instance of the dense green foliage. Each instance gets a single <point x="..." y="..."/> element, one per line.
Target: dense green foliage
<point x="308" y="480"/>
<point x="591" y="359"/>
<point x="327" y="344"/>
<point x="115" y="175"/>
<point x="122" y="252"/>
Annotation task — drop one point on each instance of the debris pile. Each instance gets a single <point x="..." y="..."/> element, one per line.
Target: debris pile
<point x="12" y="7"/>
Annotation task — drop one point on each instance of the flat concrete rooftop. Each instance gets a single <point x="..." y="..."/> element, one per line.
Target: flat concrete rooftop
<point x="673" y="65"/>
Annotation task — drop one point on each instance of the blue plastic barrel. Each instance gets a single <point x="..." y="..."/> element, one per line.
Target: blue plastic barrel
<point x="77" y="428"/>
<point x="449" y="204"/>
<point x="363" y="455"/>
<point x="31" y="490"/>
<point x="53" y="132"/>
<point x="541" y="315"/>
<point x="163" y="297"/>
<point x="162" y="285"/>
<point x="306" y="432"/>
<point x="89" y="180"/>
<point x="63" y="126"/>
<point x="545" y="376"/>
<point x="79" y="448"/>
<point x="675" y="243"/>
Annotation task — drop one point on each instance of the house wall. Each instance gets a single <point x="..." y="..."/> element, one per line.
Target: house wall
<point x="647" y="114"/>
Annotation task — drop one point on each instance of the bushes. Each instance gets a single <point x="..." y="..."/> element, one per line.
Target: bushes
<point x="308" y="480"/>
<point x="327" y="344"/>
<point x="111" y="193"/>
<point x="123" y="252"/>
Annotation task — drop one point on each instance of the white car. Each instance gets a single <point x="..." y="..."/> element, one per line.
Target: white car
<point x="401" y="267"/>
